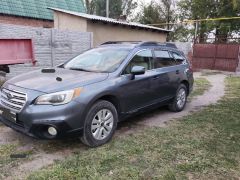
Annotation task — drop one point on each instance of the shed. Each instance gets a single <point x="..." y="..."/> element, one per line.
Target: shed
<point x="107" y="29"/>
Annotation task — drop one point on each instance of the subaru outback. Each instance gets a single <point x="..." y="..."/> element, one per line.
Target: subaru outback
<point x="88" y="95"/>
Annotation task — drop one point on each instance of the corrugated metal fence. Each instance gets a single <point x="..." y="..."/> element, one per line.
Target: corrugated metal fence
<point x="223" y="57"/>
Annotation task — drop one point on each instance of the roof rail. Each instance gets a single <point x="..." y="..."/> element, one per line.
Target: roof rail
<point x="149" y="43"/>
<point x="167" y="44"/>
<point x="121" y="42"/>
<point x="172" y="45"/>
<point x="141" y="43"/>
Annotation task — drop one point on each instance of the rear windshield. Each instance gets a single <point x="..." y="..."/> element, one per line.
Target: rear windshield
<point x="104" y="59"/>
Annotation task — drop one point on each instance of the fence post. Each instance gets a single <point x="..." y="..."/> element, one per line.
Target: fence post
<point x="91" y="40"/>
<point x="52" y="47"/>
<point x="215" y="57"/>
<point x="238" y="66"/>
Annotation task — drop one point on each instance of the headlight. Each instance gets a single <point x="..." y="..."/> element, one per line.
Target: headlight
<point x="58" y="98"/>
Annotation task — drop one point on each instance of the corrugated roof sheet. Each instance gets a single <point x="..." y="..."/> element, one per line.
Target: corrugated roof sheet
<point x="110" y="20"/>
<point x="38" y="8"/>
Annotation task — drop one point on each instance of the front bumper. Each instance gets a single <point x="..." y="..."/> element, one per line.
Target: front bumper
<point x="39" y="130"/>
<point x="34" y="120"/>
<point x="36" y="124"/>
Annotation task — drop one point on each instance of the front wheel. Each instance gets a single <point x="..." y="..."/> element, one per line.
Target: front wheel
<point x="100" y="124"/>
<point x="180" y="99"/>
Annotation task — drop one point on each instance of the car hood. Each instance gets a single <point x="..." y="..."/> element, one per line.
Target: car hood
<point x="47" y="82"/>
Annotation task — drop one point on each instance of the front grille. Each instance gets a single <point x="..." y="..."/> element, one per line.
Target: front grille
<point x="13" y="100"/>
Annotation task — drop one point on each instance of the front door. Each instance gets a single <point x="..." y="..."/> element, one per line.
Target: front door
<point x="138" y="92"/>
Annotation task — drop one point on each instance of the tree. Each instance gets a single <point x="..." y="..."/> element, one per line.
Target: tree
<point x="167" y="12"/>
<point x="149" y="15"/>
<point x="90" y="6"/>
<point x="181" y="33"/>
<point x="158" y="12"/>
<point x="195" y="9"/>
<point x="116" y="7"/>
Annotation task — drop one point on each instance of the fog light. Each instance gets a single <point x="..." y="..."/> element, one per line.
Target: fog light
<point x="52" y="131"/>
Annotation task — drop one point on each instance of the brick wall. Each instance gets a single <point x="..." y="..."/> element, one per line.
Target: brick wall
<point x="51" y="46"/>
<point x="15" y="20"/>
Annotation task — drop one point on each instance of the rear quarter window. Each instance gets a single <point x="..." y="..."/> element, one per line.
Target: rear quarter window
<point x="180" y="59"/>
<point x="163" y="59"/>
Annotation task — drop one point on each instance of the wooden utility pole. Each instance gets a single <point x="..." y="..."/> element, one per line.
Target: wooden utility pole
<point x="107" y="8"/>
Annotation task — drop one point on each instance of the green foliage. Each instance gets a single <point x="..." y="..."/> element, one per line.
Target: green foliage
<point x="165" y="11"/>
<point x="181" y="33"/>
<point x="150" y="14"/>
<point x="195" y="9"/>
<point x="158" y="13"/>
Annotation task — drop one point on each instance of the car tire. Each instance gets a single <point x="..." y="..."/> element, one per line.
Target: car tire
<point x="100" y="124"/>
<point x="180" y="100"/>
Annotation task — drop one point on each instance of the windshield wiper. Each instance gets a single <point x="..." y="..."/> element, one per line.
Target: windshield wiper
<point x="80" y="69"/>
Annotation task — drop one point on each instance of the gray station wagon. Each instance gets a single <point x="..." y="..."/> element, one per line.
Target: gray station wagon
<point x="88" y="95"/>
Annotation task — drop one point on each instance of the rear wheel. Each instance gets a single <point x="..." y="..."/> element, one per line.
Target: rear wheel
<point x="100" y="124"/>
<point x="180" y="99"/>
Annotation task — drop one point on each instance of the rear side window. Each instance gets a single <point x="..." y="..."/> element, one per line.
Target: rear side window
<point x="143" y="58"/>
<point x="179" y="58"/>
<point x="163" y="59"/>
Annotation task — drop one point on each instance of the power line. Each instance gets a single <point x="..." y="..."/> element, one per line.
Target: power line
<point x="197" y="20"/>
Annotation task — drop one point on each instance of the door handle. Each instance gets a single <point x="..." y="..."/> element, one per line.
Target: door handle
<point x="177" y="72"/>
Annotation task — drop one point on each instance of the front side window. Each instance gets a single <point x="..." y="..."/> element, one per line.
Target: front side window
<point x="143" y="58"/>
<point x="163" y="59"/>
<point x="102" y="59"/>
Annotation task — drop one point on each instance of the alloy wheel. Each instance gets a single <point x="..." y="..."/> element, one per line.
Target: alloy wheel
<point x="102" y="124"/>
<point x="181" y="98"/>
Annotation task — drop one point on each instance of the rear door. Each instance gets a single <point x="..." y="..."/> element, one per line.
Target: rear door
<point x="167" y="73"/>
<point x="183" y="67"/>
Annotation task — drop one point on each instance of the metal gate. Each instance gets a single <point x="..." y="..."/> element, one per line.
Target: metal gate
<point x="16" y="51"/>
<point x="223" y="57"/>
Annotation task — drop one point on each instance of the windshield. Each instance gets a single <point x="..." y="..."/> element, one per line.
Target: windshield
<point x="103" y="59"/>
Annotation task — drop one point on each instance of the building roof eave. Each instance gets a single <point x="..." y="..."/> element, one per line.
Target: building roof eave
<point x="111" y="21"/>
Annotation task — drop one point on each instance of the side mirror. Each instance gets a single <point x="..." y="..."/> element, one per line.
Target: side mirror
<point x="138" y="70"/>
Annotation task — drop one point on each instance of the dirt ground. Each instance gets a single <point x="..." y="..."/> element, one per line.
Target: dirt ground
<point x="44" y="153"/>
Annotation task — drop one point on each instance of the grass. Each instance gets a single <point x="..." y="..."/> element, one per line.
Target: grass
<point x="6" y="161"/>
<point x="200" y="86"/>
<point x="204" y="145"/>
